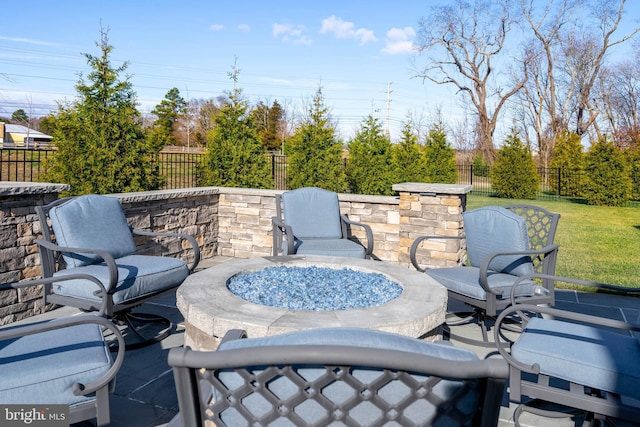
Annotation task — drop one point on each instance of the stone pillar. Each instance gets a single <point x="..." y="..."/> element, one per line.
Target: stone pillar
<point x="434" y="210"/>
<point x="19" y="258"/>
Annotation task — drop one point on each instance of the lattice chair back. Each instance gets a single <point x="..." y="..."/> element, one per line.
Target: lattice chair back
<point x="349" y="376"/>
<point x="541" y="227"/>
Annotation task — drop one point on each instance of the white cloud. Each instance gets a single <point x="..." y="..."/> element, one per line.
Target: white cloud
<point x="346" y="30"/>
<point x="245" y="28"/>
<point x="28" y="41"/>
<point x="399" y="41"/>
<point x="216" y="27"/>
<point x="290" y="33"/>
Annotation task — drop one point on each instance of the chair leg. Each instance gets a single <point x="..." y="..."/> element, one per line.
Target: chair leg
<point x="480" y="317"/>
<point x="142" y="329"/>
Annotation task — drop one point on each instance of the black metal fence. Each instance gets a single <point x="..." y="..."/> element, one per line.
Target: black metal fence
<point x="181" y="171"/>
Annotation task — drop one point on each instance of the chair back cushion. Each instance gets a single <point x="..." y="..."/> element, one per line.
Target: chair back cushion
<point x="312" y="213"/>
<point x="91" y="222"/>
<point x="492" y="229"/>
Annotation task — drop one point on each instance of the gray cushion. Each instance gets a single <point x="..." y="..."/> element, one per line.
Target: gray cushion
<point x="92" y="222"/>
<point x="421" y="411"/>
<point x="312" y="213"/>
<point x="583" y="354"/>
<point x="138" y="276"/>
<point x="42" y="368"/>
<point x="465" y="281"/>
<point x="331" y="247"/>
<point x="494" y="229"/>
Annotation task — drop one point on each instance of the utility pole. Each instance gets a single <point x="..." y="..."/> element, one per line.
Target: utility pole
<point x="388" y="107"/>
<point x="188" y="122"/>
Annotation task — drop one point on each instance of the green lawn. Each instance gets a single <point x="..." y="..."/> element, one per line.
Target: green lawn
<point x="596" y="243"/>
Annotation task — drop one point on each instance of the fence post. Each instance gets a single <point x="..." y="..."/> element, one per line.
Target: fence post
<point x="559" y="182"/>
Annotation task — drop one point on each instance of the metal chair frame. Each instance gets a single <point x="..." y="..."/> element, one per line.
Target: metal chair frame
<point x="99" y="407"/>
<point x="52" y="261"/>
<point x="193" y="369"/>
<point x="284" y="233"/>
<point x="529" y="387"/>
<point x="541" y="227"/>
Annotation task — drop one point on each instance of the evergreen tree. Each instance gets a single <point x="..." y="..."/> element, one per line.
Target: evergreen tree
<point x="315" y="152"/>
<point x="567" y="161"/>
<point x="20" y="116"/>
<point x="170" y="109"/>
<point x="234" y="157"/>
<point x="514" y="174"/>
<point x="369" y="166"/>
<point x="607" y="180"/>
<point x="439" y="157"/>
<point x="408" y="163"/>
<point x="268" y="121"/>
<point x="101" y="146"/>
<point x="633" y="160"/>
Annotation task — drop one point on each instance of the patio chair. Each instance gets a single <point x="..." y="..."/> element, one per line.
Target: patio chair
<point x="503" y="243"/>
<point x="90" y="235"/>
<point x="341" y="376"/>
<point x="308" y="221"/>
<point x="64" y="361"/>
<point x="574" y="360"/>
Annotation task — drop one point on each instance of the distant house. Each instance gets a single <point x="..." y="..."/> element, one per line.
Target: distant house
<point x="18" y="136"/>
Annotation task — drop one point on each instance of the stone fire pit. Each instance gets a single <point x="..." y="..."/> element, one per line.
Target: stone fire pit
<point x="210" y="309"/>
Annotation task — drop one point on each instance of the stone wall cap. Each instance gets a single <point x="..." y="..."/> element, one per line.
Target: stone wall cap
<point x="166" y="194"/>
<point x="10" y="188"/>
<point x="423" y="187"/>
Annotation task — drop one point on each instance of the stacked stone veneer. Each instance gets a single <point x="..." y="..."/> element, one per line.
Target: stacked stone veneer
<point x="230" y="222"/>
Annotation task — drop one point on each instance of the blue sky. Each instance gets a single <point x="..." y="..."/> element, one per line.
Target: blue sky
<point x="357" y="51"/>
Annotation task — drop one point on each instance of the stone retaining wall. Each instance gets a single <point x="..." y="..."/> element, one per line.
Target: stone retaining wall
<point x="231" y="222"/>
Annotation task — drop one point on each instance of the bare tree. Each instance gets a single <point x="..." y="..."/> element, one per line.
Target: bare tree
<point x="461" y="41"/>
<point x="585" y="54"/>
<point x="540" y="94"/>
<point x="619" y="92"/>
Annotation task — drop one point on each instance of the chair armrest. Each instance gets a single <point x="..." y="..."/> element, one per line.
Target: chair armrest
<point x="587" y="283"/>
<point x="416" y="243"/>
<point x="557" y="313"/>
<point x="189" y="238"/>
<point x="285" y="229"/>
<point x="66" y="322"/>
<point x="48" y="280"/>
<point x="234" y="334"/>
<point x="367" y="229"/>
<point x="484" y="268"/>
<point x="106" y="256"/>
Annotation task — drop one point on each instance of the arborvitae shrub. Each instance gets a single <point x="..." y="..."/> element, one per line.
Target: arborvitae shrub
<point x="514" y="175"/>
<point x="440" y="157"/>
<point x="566" y="163"/>
<point x="607" y="181"/>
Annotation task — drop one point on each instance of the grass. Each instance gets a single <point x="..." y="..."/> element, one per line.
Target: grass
<point x="597" y="243"/>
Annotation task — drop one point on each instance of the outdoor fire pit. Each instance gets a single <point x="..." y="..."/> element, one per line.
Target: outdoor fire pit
<point x="273" y="295"/>
<point x="314" y="288"/>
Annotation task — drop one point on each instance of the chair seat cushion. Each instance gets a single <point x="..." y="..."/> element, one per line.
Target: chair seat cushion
<point x="422" y="411"/>
<point x="465" y="281"/>
<point x="138" y="276"/>
<point x="582" y="354"/>
<point x="43" y="367"/>
<point x="332" y="247"/>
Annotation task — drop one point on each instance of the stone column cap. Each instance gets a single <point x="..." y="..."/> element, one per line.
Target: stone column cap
<point x="428" y="188"/>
